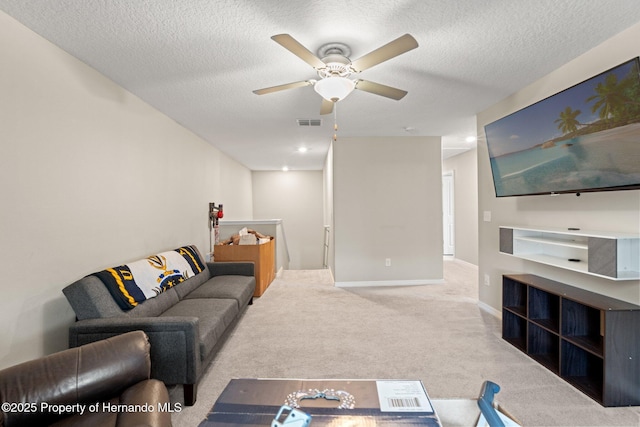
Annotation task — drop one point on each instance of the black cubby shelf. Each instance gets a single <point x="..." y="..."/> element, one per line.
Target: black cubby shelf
<point x="590" y="340"/>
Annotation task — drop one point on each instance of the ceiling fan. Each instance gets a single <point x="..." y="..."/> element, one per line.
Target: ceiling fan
<point x="335" y="68"/>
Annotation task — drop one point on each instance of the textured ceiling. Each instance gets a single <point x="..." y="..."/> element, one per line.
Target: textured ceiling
<point x="199" y="60"/>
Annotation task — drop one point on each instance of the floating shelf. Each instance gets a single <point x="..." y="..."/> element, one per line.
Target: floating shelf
<point x="614" y="256"/>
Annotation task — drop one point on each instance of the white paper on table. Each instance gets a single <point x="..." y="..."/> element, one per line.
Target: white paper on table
<point x="403" y="396"/>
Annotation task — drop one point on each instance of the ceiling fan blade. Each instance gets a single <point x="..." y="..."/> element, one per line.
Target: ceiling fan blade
<point x="282" y="87"/>
<point x="390" y="50"/>
<point x="293" y="46"/>
<point x="379" y="89"/>
<point x="326" y="107"/>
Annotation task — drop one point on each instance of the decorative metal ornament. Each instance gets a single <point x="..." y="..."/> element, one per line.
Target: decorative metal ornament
<point x="346" y="399"/>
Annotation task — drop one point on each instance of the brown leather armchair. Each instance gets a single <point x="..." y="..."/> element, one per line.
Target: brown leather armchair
<point x="105" y="383"/>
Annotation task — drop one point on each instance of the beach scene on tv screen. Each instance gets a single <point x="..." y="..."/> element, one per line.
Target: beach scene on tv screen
<point x="584" y="138"/>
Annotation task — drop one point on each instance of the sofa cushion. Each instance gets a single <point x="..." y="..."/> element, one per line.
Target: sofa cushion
<point x="152" y="393"/>
<point x="214" y="315"/>
<point x="92" y="419"/>
<point x="239" y="288"/>
<point x="155" y="306"/>
<point x="193" y="283"/>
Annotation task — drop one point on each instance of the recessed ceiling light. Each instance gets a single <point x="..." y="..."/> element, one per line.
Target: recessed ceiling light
<point x="302" y="149"/>
<point x="285" y="169"/>
<point x="471" y="139"/>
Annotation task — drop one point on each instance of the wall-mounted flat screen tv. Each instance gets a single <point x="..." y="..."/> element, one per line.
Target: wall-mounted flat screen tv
<point x="585" y="138"/>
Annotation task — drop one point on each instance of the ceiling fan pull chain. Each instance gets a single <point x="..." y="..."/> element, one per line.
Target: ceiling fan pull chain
<point x="335" y="121"/>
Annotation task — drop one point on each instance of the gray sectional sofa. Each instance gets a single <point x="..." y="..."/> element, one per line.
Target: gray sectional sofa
<point x="186" y="320"/>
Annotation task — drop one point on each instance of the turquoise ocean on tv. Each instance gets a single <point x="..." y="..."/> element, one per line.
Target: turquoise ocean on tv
<point x="604" y="159"/>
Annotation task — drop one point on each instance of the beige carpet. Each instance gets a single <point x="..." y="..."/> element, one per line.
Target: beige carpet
<point x="304" y="327"/>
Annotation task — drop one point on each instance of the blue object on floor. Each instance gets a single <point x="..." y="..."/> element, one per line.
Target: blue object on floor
<point x="485" y="403"/>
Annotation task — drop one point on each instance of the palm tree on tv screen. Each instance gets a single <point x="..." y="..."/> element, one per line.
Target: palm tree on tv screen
<point x="568" y="122"/>
<point x="610" y="97"/>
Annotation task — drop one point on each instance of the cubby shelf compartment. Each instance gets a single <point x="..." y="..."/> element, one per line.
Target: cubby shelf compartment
<point x="614" y="256"/>
<point x="515" y="297"/>
<point x="583" y="370"/>
<point x="583" y="326"/>
<point x="590" y="340"/>
<point x="544" y="309"/>
<point x="544" y="347"/>
<point x="514" y="330"/>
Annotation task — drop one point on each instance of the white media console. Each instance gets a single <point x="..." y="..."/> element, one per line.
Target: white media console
<point x="614" y="256"/>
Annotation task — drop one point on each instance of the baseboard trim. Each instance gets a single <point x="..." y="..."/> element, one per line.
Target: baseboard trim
<point x="371" y="283"/>
<point x="333" y="280"/>
<point x="487" y="308"/>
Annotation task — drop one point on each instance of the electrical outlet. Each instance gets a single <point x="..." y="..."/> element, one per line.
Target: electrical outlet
<point x="387" y="262"/>
<point x="487" y="280"/>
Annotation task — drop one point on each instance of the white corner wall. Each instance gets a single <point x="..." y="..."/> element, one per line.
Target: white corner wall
<point x="607" y="211"/>
<point x="465" y="204"/>
<point x="296" y="198"/>
<point x="327" y="196"/>
<point x="387" y="204"/>
<point x="90" y="177"/>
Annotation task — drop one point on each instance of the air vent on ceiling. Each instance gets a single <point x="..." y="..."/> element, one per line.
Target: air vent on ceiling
<point x="309" y="122"/>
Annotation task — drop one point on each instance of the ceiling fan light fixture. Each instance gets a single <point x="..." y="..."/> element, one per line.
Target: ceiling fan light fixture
<point x="334" y="89"/>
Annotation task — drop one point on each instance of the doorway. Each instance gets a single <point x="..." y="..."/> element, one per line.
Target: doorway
<point x="447" y="215"/>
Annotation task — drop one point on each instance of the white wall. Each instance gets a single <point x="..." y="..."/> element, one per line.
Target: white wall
<point x="607" y="211"/>
<point x="90" y="177"/>
<point x="327" y="194"/>
<point x="296" y="197"/>
<point x="387" y="204"/>
<point x="465" y="204"/>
